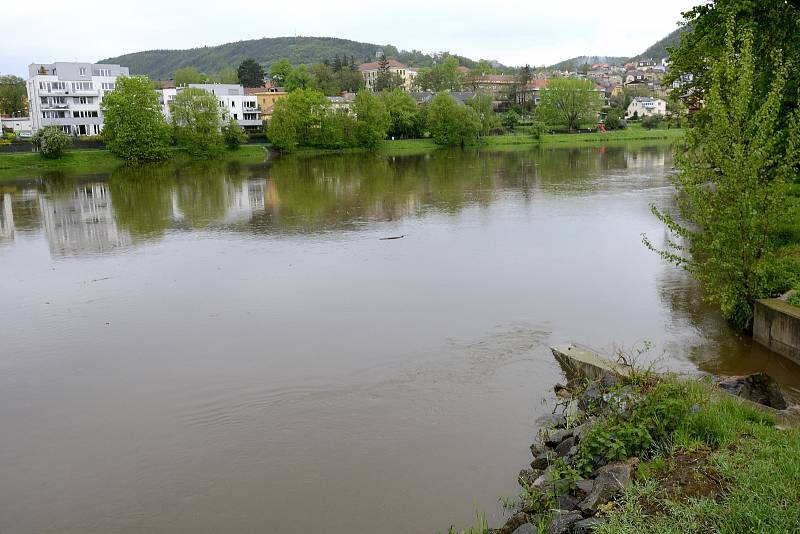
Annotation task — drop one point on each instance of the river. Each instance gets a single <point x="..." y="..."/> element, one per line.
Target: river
<point x="225" y="348"/>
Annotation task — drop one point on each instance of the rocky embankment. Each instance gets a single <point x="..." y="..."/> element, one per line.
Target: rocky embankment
<point x="606" y="416"/>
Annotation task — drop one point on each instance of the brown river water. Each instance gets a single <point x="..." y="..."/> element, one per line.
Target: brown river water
<point x="226" y="348"/>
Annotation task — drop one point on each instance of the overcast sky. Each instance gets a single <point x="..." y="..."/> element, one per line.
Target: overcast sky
<point x="514" y="32"/>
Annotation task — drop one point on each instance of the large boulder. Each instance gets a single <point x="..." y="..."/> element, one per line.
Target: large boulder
<point x="588" y="525"/>
<point x="611" y="479"/>
<point x="527" y="528"/>
<point x="561" y="522"/>
<point x="759" y="388"/>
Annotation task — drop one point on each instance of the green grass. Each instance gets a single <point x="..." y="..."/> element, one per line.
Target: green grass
<point x="82" y="162"/>
<point x="754" y="464"/>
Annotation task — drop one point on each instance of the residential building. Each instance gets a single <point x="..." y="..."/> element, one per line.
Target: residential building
<point x="496" y="85"/>
<point x="266" y="98"/>
<point x="20" y="126"/>
<point x="344" y="102"/>
<point x="68" y="95"/>
<point x="233" y="102"/>
<point x="645" y="106"/>
<point x="370" y="72"/>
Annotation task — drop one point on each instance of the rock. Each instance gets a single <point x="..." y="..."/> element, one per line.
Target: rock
<point x="554" y="437"/>
<point x="543" y="461"/>
<point x="527" y="477"/>
<point x="566" y="502"/>
<point x="759" y="388"/>
<point x="563" y="448"/>
<point x="610" y="480"/>
<point x="562" y="391"/>
<point x="537" y="449"/>
<point x="514" y="522"/>
<point x="571" y="452"/>
<point x="582" y="363"/>
<point x="585" y="485"/>
<point x="551" y="421"/>
<point x="541" y="481"/>
<point x="582" y="430"/>
<point x="591" y="396"/>
<point x="585" y="526"/>
<point x="527" y="528"/>
<point x="562" y="522"/>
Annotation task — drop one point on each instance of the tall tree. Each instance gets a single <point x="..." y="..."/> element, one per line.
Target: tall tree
<point x="569" y="102"/>
<point x="484" y="107"/>
<point x="135" y="129"/>
<point x="372" y="120"/>
<point x="226" y="75"/>
<point x="299" y="78"/>
<point x="386" y="79"/>
<point x="189" y="75"/>
<point x="251" y="73"/>
<point x="450" y="123"/>
<point x="196" y="119"/>
<point x="12" y="96"/>
<point x="404" y="116"/>
<point x="279" y="71"/>
<point x="733" y="182"/>
<point x="295" y="117"/>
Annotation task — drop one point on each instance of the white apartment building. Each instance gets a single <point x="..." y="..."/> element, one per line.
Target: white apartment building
<point x="645" y="106"/>
<point x="68" y="95"/>
<point x="233" y="102"/>
<point x="371" y="71"/>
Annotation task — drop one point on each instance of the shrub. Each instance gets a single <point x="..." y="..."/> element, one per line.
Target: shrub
<point x="653" y="121"/>
<point x="233" y="135"/>
<point x="538" y="129"/>
<point x="510" y="120"/>
<point x="51" y="142"/>
<point x="614" y="120"/>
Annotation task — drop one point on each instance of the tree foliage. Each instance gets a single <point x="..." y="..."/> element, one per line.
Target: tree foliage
<point x="404" y="116"/>
<point x="372" y="120"/>
<point x="294" y="118"/>
<point x="450" y="123"/>
<point x="226" y="75"/>
<point x="196" y="122"/>
<point x="484" y="108"/>
<point x="386" y="80"/>
<point x="299" y="78"/>
<point x="279" y="72"/>
<point x="443" y="76"/>
<point x="134" y="126"/>
<point x="733" y="182"/>
<point x="12" y="96"/>
<point x="187" y="75"/>
<point x="233" y="135"/>
<point x="250" y="73"/>
<point x="51" y="142"/>
<point x="569" y="102"/>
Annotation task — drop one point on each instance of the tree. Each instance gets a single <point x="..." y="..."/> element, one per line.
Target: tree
<point x="226" y="75"/>
<point x="134" y="125"/>
<point x="299" y="78"/>
<point x="614" y="120"/>
<point x="233" y="135"/>
<point x="196" y="122"/>
<point x="510" y="120"/>
<point x="372" y="120"/>
<point x="12" y="96"/>
<point x="483" y="68"/>
<point x="386" y="80"/>
<point x="484" y="108"/>
<point x="652" y="122"/>
<point x="733" y="183"/>
<point x="450" y="123"/>
<point x="51" y="142"/>
<point x="189" y="75"/>
<point x="251" y="73"/>
<point x="443" y="76"/>
<point x="325" y="79"/>
<point x="295" y="117"/>
<point x="403" y="114"/>
<point x="279" y="71"/>
<point x="773" y="24"/>
<point x="569" y="102"/>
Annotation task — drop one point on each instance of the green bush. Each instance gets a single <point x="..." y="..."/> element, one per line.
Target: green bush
<point x="652" y="122"/>
<point x="537" y="129"/>
<point x="614" y="120"/>
<point x="51" y="142"/>
<point x="510" y="120"/>
<point x="233" y="135"/>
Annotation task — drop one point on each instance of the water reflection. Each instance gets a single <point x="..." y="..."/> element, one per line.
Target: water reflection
<point x="298" y="194"/>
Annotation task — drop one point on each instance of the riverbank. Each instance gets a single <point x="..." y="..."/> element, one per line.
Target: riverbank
<point x="631" y="451"/>
<point x="99" y="161"/>
<point x="91" y="161"/>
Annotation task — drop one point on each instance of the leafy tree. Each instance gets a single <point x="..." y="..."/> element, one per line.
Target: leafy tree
<point x="569" y="102"/>
<point x="614" y="120"/>
<point x="774" y="27"/>
<point x="189" y="75"/>
<point x="372" y="120"/>
<point x="226" y="75"/>
<point x="325" y="79"/>
<point x="134" y="125"/>
<point x="251" y="73"/>
<point x="196" y="122"/>
<point x="484" y="108"/>
<point x="510" y="119"/>
<point x="733" y="182"/>
<point x="299" y="78"/>
<point x="483" y="68"/>
<point x="12" y="96"/>
<point x="443" y="76"/>
<point x="51" y="142"/>
<point x="652" y="122"/>
<point x="294" y="118"/>
<point x="279" y="71"/>
<point x="450" y="123"/>
<point x="386" y="80"/>
<point x="337" y="130"/>
<point x="403" y="114"/>
<point x="233" y="135"/>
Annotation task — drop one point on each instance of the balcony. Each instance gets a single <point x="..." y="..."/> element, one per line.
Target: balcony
<point x="55" y="106"/>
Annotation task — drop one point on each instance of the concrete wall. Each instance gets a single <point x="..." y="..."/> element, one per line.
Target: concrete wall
<point x="776" y="325"/>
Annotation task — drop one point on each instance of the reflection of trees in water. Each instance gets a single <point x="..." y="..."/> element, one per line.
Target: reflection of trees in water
<point x="142" y="199"/>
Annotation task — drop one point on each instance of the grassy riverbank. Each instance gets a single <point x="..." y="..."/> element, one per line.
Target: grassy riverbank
<point x="82" y="162"/>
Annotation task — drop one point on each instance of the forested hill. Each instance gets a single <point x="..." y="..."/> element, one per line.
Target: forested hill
<point x="160" y="64"/>
<point x="657" y="51"/>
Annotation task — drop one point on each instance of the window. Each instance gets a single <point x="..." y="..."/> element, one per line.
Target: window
<point x="233" y="104"/>
<point x="102" y="72"/>
<point x="235" y="117"/>
<point x="82" y="86"/>
<point x="83" y="71"/>
<point x="109" y="86"/>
